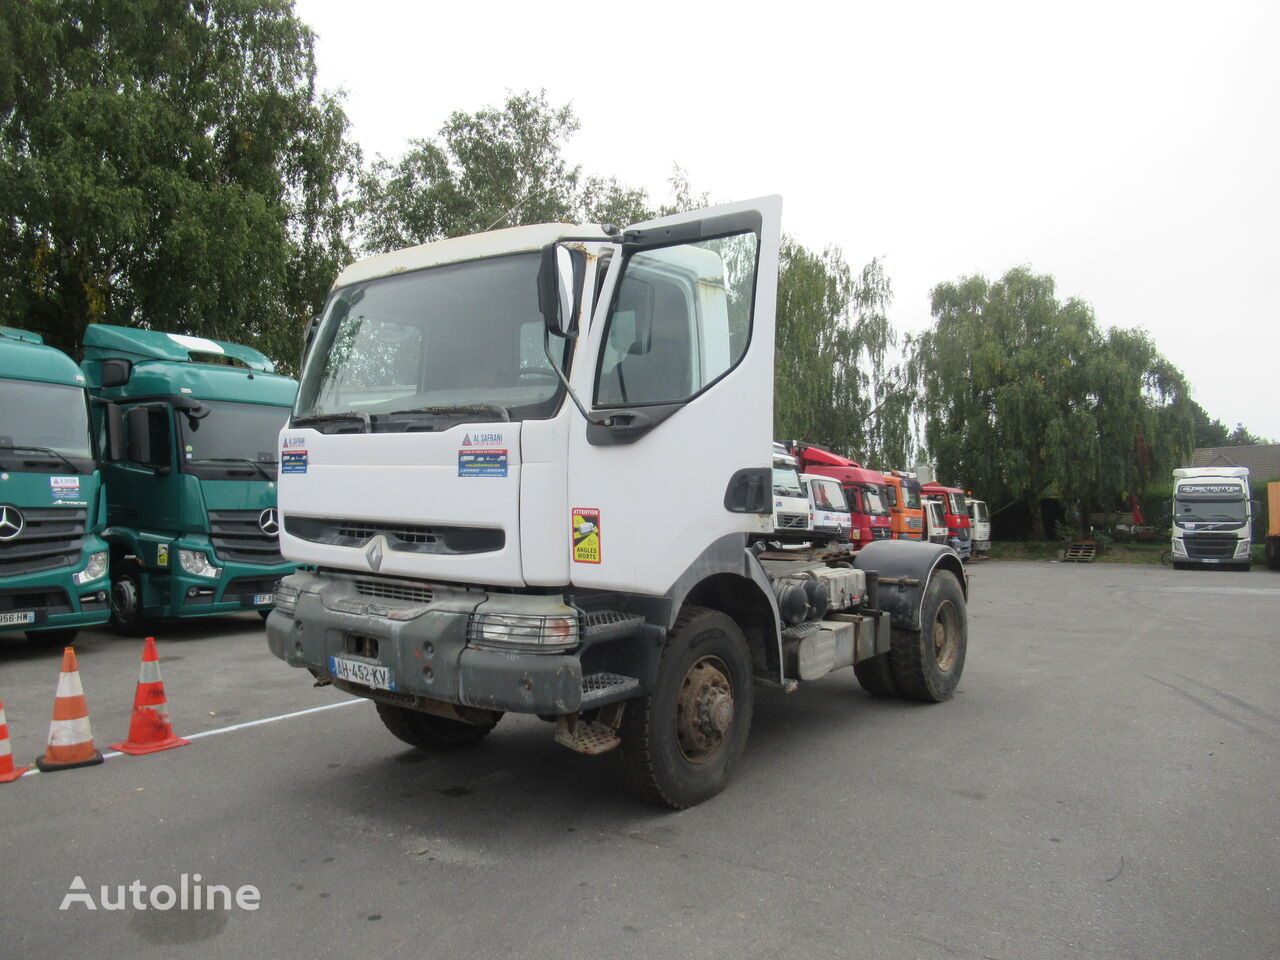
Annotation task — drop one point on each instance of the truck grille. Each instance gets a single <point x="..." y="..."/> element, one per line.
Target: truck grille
<point x="792" y="521"/>
<point x="236" y="535"/>
<point x="402" y="537"/>
<point x="393" y="590"/>
<point x="881" y="533"/>
<point x="50" y="539"/>
<point x="1211" y="546"/>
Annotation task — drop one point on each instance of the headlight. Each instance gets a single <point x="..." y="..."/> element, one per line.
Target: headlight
<point x="95" y="568"/>
<point x="286" y="597"/>
<point x="196" y="563"/>
<point x="1242" y="549"/>
<point x="510" y="629"/>
<point x="1179" y="547"/>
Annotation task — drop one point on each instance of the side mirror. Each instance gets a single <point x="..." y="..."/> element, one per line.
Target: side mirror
<point x="193" y="409"/>
<point x="115" y="433"/>
<point x="139" y="426"/>
<point x="116" y="372"/>
<point x="559" y="285"/>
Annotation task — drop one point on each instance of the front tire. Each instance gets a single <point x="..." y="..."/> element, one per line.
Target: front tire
<point x="681" y="743"/>
<point x="126" y="602"/>
<point x="426" y="731"/>
<point x="927" y="663"/>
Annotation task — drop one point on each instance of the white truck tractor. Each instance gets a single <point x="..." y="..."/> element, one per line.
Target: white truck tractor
<point x="1212" y="518"/>
<point x="791" y="514"/>
<point x="487" y="476"/>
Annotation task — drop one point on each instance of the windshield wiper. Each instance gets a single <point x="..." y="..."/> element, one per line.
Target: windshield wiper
<point x="502" y="413"/>
<point x="359" y="415"/>
<point x="253" y="463"/>
<point x="48" y="450"/>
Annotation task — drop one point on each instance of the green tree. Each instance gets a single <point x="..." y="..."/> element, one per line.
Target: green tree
<point x="1024" y="397"/>
<point x="167" y="164"/>
<point x="498" y="167"/>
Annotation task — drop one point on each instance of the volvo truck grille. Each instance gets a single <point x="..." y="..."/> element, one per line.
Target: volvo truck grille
<point x="239" y="535"/>
<point x="48" y="539"/>
<point x="1211" y="546"/>
<point x="792" y="521"/>
<point x="403" y="537"/>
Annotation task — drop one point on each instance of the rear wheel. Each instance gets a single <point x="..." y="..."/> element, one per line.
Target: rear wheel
<point x="426" y="731"/>
<point x="681" y="743"/>
<point x="927" y="663"/>
<point x="52" y="638"/>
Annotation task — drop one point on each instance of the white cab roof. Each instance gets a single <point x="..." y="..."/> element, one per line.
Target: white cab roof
<point x="476" y="246"/>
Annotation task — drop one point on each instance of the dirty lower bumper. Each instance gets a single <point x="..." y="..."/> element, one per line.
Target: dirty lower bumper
<point x="422" y="640"/>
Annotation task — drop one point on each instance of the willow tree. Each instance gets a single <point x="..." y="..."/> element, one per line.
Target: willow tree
<point x="167" y="164"/>
<point x="1024" y="397"/>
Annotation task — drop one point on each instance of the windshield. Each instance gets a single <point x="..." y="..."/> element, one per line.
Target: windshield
<point x="40" y="425"/>
<point x="1217" y="511"/>
<point x="233" y="432"/>
<point x="786" y="482"/>
<point x="957" y="504"/>
<point x="873" y="500"/>
<point x="827" y="495"/>
<point x="910" y="495"/>
<point x="460" y="341"/>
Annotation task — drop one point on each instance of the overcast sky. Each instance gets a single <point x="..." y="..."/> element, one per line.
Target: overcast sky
<point x="1130" y="150"/>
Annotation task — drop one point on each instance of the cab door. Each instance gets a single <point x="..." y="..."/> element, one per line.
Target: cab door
<point x="673" y="465"/>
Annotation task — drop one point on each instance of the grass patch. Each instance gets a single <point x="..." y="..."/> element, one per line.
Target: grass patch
<point x="1052" y="550"/>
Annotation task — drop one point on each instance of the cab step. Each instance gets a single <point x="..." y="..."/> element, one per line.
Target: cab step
<point x="610" y="624"/>
<point x="585" y="736"/>
<point x="598" y="688"/>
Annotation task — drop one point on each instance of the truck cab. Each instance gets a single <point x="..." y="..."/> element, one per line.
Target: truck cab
<point x="1212" y="518"/>
<point x="53" y="563"/>
<point x="192" y="520"/>
<point x="864" y="491"/>
<point x="935" y="521"/>
<point x="980" y="517"/>
<point x="827" y="508"/>
<point x="790" y="503"/>
<point x="903" y="494"/>
<point x="956" y="510"/>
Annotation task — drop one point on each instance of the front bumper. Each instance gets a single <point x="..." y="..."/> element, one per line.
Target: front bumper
<point x="423" y="641"/>
<point x="52" y="598"/>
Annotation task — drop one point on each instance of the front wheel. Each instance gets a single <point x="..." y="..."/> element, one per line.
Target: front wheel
<point x="429" y="732"/>
<point x="681" y="743"/>
<point x="927" y="663"/>
<point x="126" y="602"/>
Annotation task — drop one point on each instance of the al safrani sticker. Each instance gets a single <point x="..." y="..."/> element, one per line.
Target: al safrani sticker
<point x="586" y="535"/>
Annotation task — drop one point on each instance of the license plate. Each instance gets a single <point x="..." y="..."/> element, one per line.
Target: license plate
<point x="357" y="671"/>
<point x="17" y="616"/>
<point x="261" y="598"/>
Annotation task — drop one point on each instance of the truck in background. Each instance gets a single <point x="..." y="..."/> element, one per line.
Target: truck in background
<point x="1212" y="517"/>
<point x="428" y="392"/>
<point x="980" y="517"/>
<point x="192" y="521"/>
<point x="864" y="491"/>
<point x="903" y="493"/>
<point x="935" y="520"/>
<point x="53" y="564"/>
<point x="956" y="511"/>
<point x="1272" y="552"/>
<point x="790" y="502"/>
<point x="828" y="512"/>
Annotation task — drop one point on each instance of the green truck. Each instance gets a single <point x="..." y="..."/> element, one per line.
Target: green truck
<point x="53" y="564"/>
<point x="191" y="501"/>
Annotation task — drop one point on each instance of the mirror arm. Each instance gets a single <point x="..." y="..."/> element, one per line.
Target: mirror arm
<point x="546" y="349"/>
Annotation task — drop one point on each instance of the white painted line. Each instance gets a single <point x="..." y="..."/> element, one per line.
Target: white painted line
<point x="238" y="726"/>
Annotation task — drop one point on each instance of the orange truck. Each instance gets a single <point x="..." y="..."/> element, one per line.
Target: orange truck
<point x="903" y="492"/>
<point x="1273" y="525"/>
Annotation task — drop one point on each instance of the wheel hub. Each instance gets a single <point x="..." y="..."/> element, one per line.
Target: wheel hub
<point x="704" y="710"/>
<point x="946" y="636"/>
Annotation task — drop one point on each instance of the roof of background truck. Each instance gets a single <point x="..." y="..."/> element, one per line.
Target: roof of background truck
<point x="837" y="467"/>
<point x="24" y="356"/>
<point x="476" y="246"/>
<point x="164" y="364"/>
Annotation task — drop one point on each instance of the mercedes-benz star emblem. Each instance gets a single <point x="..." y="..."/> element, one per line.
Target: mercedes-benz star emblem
<point x="11" y="522"/>
<point x="269" y="522"/>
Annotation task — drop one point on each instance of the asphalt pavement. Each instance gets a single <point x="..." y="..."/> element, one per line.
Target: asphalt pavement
<point x="1104" y="784"/>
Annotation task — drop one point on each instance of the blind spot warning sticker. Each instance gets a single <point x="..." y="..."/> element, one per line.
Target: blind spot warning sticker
<point x="162" y="554"/>
<point x="586" y="535"/>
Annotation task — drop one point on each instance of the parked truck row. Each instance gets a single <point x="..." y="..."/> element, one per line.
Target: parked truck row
<point x="137" y="485"/>
<point x="485" y="483"/>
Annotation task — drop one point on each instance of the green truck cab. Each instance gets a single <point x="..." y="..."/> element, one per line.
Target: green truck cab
<point x="53" y="564"/>
<point x="191" y="502"/>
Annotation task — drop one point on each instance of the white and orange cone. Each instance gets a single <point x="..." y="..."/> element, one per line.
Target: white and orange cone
<point x="70" y="739"/>
<point x="8" y="771"/>
<point x="149" y="728"/>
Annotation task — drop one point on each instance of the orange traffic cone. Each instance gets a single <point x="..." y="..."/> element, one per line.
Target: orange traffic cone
<point x="70" y="739"/>
<point x="149" y="729"/>
<point x="8" y="771"/>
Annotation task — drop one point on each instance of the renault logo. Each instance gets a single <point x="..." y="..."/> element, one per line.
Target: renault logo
<point x="11" y="522"/>
<point x="269" y="522"/>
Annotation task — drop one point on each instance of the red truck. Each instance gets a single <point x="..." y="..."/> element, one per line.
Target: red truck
<point x="863" y="489"/>
<point x="956" y="506"/>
